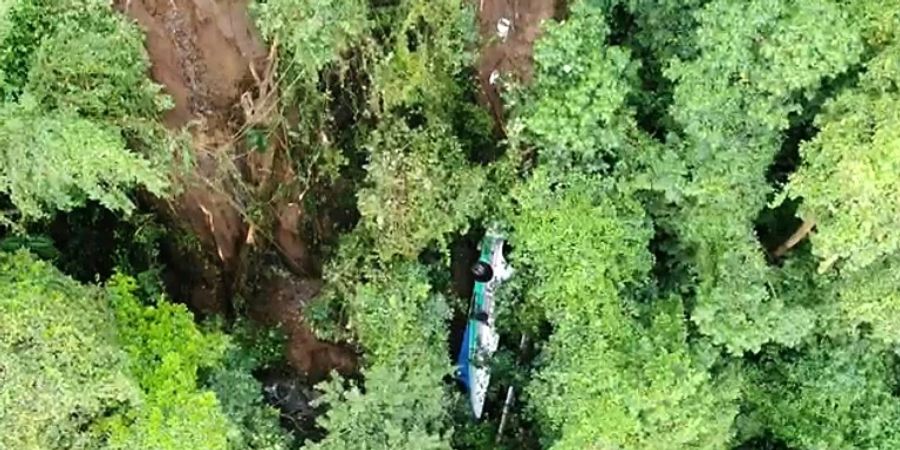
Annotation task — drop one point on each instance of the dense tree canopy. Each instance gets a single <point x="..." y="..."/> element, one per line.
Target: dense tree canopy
<point x="700" y="197"/>
<point x="74" y="89"/>
<point x="90" y="367"/>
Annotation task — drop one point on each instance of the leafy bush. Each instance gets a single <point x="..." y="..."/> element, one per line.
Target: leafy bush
<point x="577" y="237"/>
<point x="837" y="394"/>
<point x="418" y="189"/>
<point x="166" y="350"/>
<point x="402" y="327"/>
<point x="425" y="48"/>
<point x="58" y="161"/>
<point x="734" y="100"/>
<point x="630" y="387"/>
<point x="88" y="368"/>
<point x="400" y="408"/>
<point x="76" y="80"/>
<point x="603" y="377"/>
<point x="239" y="394"/>
<point x="60" y="366"/>
<point x="576" y="112"/>
<point x="99" y="72"/>
<point x="848" y="178"/>
<point x="313" y="33"/>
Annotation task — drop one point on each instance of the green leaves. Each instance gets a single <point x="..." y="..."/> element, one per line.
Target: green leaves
<point x="56" y="161"/>
<point x="604" y="379"/>
<point x="640" y="389"/>
<point x="733" y="101"/>
<point x="418" y="188"/>
<point x="99" y="73"/>
<point x="848" y="180"/>
<point x="166" y="349"/>
<point x="836" y="395"/>
<point x="581" y="243"/>
<point x="426" y="46"/>
<point x="61" y="369"/>
<point x="76" y="84"/>
<point x="402" y="326"/>
<point x="576" y="112"/>
<point x="401" y="408"/>
<point x="314" y="33"/>
<point x="90" y="368"/>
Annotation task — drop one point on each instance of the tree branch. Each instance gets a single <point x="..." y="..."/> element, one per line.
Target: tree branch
<point x="795" y="238"/>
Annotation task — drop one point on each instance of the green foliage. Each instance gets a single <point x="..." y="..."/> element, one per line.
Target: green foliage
<point x="838" y="394"/>
<point x="665" y="27"/>
<point x="57" y="161"/>
<point x="865" y="301"/>
<point x="733" y="101"/>
<point x="166" y="350"/>
<point x="605" y="380"/>
<point x="90" y="368"/>
<point x="400" y="409"/>
<point x="402" y="327"/>
<point x="99" y="71"/>
<point x="581" y="242"/>
<point x="848" y="180"/>
<point x="576" y="112"/>
<point x="642" y="160"/>
<point x="61" y="369"/>
<point x="398" y="320"/>
<point x="425" y="47"/>
<point x="632" y="387"/>
<point x="313" y="33"/>
<point x="76" y="87"/>
<point x="255" y="423"/>
<point x="418" y="189"/>
<point x="38" y="245"/>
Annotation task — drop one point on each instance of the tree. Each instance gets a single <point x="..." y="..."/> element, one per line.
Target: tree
<point x="85" y="367"/>
<point x="847" y="181"/>
<point x="57" y="161"/>
<point x="166" y="350"/>
<point x="418" y="188"/>
<point x="864" y="302"/>
<point x="836" y="394"/>
<point x="733" y="101"/>
<point x="61" y="370"/>
<point x="77" y="98"/>
<point x="606" y="380"/>
<point x="576" y="113"/>
<point x="402" y="327"/>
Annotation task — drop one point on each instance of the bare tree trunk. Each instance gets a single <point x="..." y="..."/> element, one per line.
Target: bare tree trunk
<point x="795" y="238"/>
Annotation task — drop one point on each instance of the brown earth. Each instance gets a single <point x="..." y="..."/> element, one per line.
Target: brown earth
<point x="281" y="302"/>
<point x="214" y="64"/>
<point x="512" y="57"/>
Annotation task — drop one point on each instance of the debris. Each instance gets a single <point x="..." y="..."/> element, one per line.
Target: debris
<point x="503" y="27"/>
<point x="495" y="76"/>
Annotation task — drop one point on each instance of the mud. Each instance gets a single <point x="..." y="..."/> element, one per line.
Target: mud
<point x="201" y="52"/>
<point x="279" y="304"/>
<point x="510" y="57"/>
<point x="212" y="61"/>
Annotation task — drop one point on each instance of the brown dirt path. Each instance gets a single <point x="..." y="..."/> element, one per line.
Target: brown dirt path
<point x="512" y="57"/>
<point x="212" y="61"/>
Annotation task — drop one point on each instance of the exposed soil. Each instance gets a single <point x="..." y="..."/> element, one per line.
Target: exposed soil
<point x="212" y="61"/>
<point x="279" y="304"/>
<point x="510" y="57"/>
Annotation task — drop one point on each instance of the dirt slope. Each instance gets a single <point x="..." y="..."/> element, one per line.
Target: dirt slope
<point x="212" y="61"/>
<point x="510" y="57"/>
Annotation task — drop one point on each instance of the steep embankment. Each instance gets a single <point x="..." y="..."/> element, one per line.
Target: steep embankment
<point x="212" y="61"/>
